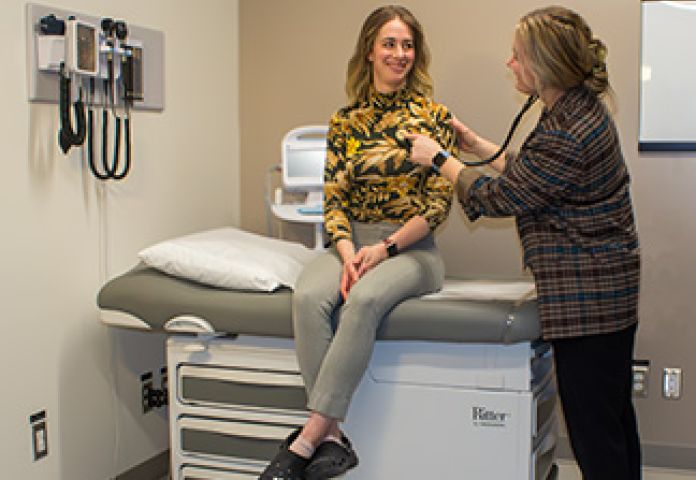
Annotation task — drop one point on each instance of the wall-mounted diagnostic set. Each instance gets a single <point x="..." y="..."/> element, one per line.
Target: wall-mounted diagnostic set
<point x="99" y="68"/>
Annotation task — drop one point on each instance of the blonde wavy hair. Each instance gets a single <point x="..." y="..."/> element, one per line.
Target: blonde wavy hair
<point x="562" y="51"/>
<point x="359" y="74"/>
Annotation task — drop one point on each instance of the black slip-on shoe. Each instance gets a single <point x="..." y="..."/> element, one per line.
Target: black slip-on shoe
<point x="285" y="444"/>
<point x="286" y="465"/>
<point x="331" y="459"/>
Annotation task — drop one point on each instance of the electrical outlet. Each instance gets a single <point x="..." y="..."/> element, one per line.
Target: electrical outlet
<point x="641" y="368"/>
<point x="672" y="383"/>
<point x="145" y="391"/>
<point x="154" y="397"/>
<point x="39" y="434"/>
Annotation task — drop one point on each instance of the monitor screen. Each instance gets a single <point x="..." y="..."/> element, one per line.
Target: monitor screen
<point x="306" y="164"/>
<point x="86" y="48"/>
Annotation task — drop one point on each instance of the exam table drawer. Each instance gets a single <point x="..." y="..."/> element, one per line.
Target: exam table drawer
<point x="190" y="472"/>
<point x="231" y="440"/>
<point x="228" y="387"/>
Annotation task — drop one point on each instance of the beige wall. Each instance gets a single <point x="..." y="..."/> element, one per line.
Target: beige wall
<point x="61" y="238"/>
<point x="293" y="57"/>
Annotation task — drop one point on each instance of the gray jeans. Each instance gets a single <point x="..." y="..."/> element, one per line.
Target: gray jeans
<point x="334" y="339"/>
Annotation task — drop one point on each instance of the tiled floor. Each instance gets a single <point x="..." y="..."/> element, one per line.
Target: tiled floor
<point x="569" y="471"/>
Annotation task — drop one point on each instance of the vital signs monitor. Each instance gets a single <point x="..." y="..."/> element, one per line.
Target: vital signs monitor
<point x="303" y="157"/>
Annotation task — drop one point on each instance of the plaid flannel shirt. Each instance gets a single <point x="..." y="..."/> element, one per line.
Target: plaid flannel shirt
<point x="569" y="190"/>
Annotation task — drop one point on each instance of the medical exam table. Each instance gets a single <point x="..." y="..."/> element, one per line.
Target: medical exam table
<point x="459" y="386"/>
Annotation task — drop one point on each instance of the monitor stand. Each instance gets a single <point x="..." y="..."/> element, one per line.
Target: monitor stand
<point x="311" y="211"/>
<point x="315" y="199"/>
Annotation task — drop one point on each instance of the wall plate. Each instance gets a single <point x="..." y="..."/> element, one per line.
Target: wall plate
<point x="672" y="383"/>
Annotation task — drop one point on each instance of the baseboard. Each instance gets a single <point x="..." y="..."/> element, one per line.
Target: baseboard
<point x="654" y="455"/>
<point x="154" y="468"/>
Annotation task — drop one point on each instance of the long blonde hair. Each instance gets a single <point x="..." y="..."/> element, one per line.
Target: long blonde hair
<point x="562" y="51"/>
<point x="359" y="74"/>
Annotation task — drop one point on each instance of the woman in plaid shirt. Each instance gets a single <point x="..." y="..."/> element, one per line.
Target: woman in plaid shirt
<point x="568" y="188"/>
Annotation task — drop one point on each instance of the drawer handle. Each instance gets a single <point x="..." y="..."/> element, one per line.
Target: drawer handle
<point x="188" y="324"/>
<point x="195" y="347"/>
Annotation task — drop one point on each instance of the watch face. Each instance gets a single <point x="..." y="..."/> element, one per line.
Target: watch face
<point x="439" y="159"/>
<point x="392" y="249"/>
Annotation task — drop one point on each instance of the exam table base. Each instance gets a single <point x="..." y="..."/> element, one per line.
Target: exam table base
<point x="424" y="410"/>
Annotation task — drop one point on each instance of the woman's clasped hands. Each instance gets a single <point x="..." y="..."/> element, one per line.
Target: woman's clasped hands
<point x="362" y="262"/>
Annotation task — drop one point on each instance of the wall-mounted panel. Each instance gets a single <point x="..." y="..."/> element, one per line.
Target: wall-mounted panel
<point x="43" y="86"/>
<point x="668" y="76"/>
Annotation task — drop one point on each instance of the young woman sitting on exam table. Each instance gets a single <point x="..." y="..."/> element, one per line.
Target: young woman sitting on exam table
<point x="380" y="211"/>
<point x="568" y="188"/>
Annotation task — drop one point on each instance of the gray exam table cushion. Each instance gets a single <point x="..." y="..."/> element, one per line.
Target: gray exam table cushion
<point x="155" y="298"/>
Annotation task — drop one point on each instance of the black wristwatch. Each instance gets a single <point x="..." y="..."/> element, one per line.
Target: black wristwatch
<point x="439" y="160"/>
<point x="392" y="248"/>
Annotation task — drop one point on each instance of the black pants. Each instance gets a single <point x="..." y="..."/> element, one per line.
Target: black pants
<point x="594" y="383"/>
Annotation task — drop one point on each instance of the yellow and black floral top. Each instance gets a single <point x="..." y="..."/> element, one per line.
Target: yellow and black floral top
<point x="368" y="176"/>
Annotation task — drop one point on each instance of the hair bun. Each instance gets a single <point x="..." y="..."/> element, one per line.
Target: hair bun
<point x="597" y="78"/>
<point x="599" y="50"/>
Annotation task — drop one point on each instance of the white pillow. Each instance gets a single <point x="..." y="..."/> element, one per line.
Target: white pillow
<point x="230" y="258"/>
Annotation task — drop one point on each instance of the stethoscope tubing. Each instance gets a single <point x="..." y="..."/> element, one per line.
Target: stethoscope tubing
<point x="478" y="163"/>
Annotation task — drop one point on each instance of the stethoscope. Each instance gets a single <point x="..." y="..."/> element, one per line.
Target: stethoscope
<point x="528" y="104"/>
